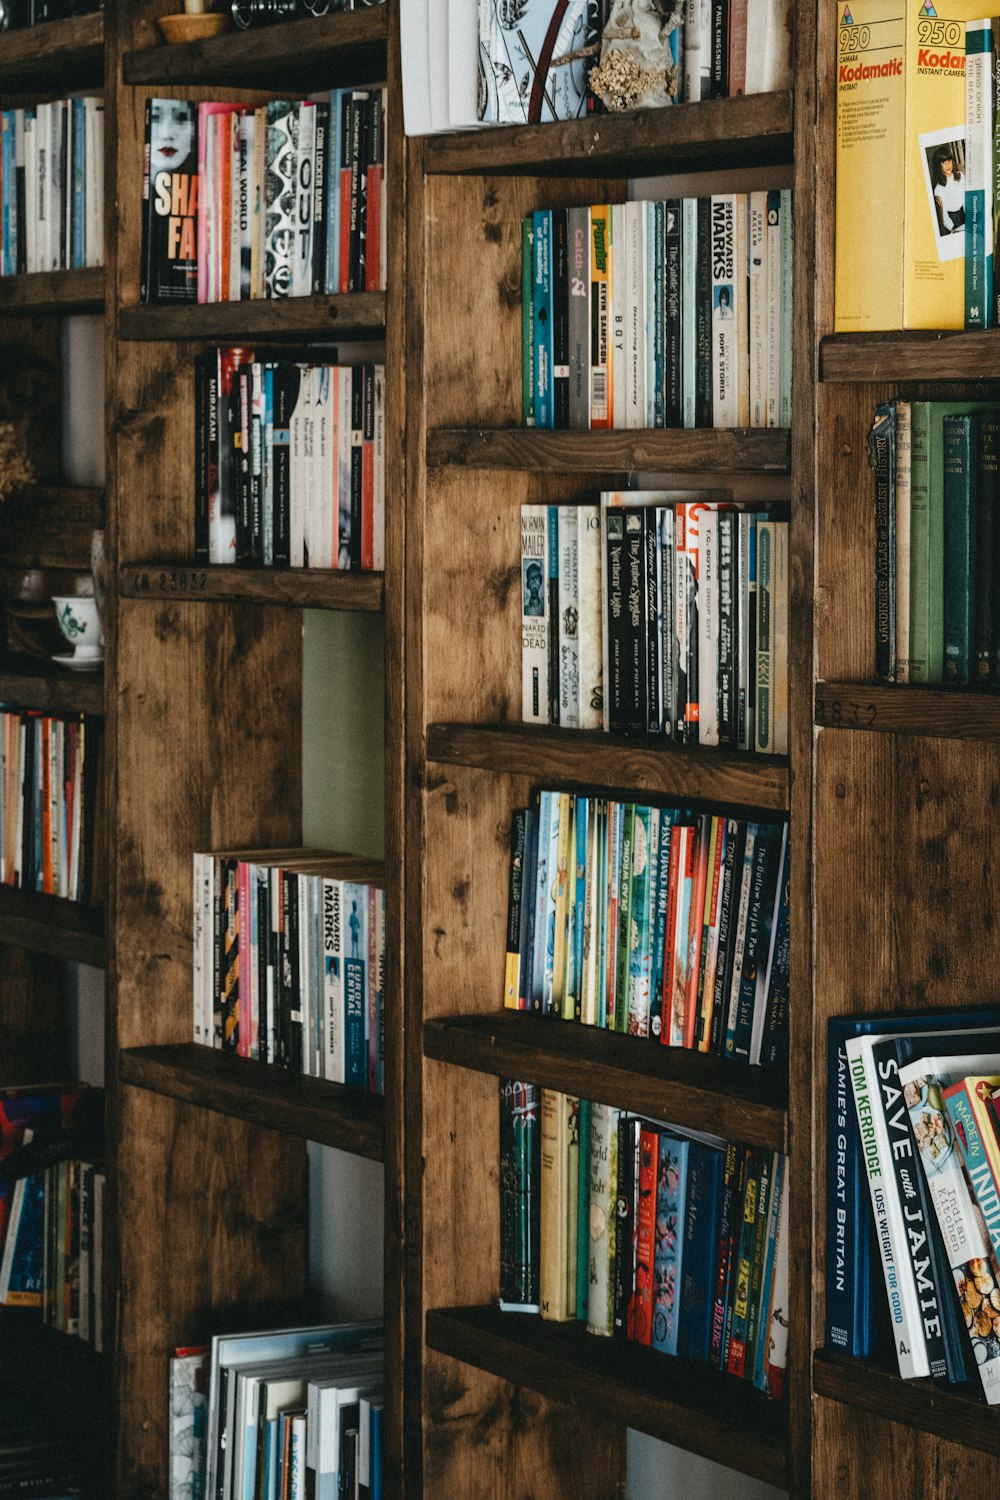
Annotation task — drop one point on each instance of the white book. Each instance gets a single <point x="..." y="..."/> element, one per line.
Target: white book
<point x="463" y="65"/>
<point x="305" y="161"/>
<point x="635" y="318"/>
<point x="344" y="444"/>
<point x="773" y="325"/>
<point x="415" y="68"/>
<point x="31" y="235"/>
<point x="618" y="315"/>
<point x="689" y="312"/>
<point x="569" y="614"/>
<point x="785" y="352"/>
<point x="94" y="181"/>
<point x="693" y="41"/>
<point x="297" y="1460"/>
<point x="589" y="625"/>
<point x="759" y="304"/>
<point x="237" y="204"/>
<point x="653" y="253"/>
<point x="708" y="625"/>
<point x="56" y="186"/>
<point x="534" y="615"/>
<point x="890" y="1225"/>
<point x="769" y="46"/>
<point x="321" y="550"/>
<point x="298" y="482"/>
<point x="43" y="200"/>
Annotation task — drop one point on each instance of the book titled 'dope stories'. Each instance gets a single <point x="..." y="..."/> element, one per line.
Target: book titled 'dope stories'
<point x="901" y="163"/>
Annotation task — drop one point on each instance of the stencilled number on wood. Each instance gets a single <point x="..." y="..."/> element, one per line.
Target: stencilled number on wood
<point x="837" y="713"/>
<point x="176" y="581"/>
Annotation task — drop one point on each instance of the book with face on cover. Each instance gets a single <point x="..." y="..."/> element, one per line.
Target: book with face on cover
<point x="169" y="271"/>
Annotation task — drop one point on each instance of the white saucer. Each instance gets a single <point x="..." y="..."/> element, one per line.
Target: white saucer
<point x="79" y="664"/>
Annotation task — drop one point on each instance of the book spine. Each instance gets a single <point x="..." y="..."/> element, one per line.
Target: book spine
<point x="967" y="1106"/>
<point x="626" y="1228"/>
<point x="543" y="305"/>
<point x="689" y="307"/>
<point x="959" y="549"/>
<point x="703" y="316"/>
<point x="528" y="321"/>
<point x="649" y="1148"/>
<point x="603" y="1174"/>
<point x="601" y="391"/>
<point x="579" y="319"/>
<point x="668" y="1253"/>
<point x="726" y="306"/>
<point x="979" y="128"/>
<point x="673" y="304"/>
<point x="987" y="576"/>
<point x="553" y="1224"/>
<point x="560" y="318"/>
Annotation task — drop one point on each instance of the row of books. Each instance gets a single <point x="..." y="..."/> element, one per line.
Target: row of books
<point x="51" y="1209"/>
<point x="659" y="922"/>
<point x="673" y="313"/>
<point x="937" y="557"/>
<point x="643" y="1231"/>
<point x="49" y="793"/>
<point x="21" y="13"/>
<point x="916" y="1182"/>
<point x="289" y="961"/>
<point x="38" y="1456"/>
<point x="290" y="461"/>
<point x="656" y="612"/>
<point x="52" y="186"/>
<point x="279" y="1414"/>
<point x="283" y="200"/>
<point x="484" y="62"/>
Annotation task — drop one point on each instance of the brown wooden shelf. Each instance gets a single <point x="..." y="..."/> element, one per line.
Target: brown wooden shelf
<point x="938" y="354"/>
<point x="936" y="712"/>
<point x="676" y="1400"/>
<point x="59" y="55"/>
<point x="47" y="924"/>
<point x="948" y="1412"/>
<point x="757" y="450"/>
<point x="751" y="130"/>
<point x="270" y="1096"/>
<point x="643" y="763"/>
<point x="57" y="1364"/>
<point x="361" y="314"/>
<point x="321" y="52"/>
<point x="302" y="588"/>
<point x="53" y="291"/>
<point x="31" y="683"/>
<point x="668" y="1083"/>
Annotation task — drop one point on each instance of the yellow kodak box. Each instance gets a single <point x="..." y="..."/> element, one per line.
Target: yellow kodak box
<point x="901" y="163"/>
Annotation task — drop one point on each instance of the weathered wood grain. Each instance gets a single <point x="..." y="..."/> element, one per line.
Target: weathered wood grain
<point x="53" y="291"/>
<point x="356" y="314"/>
<point x="66" y="55"/>
<point x="301" y="588"/>
<point x="26" y="680"/>
<point x="33" y="1037"/>
<point x="50" y="526"/>
<point x="934" y="713"/>
<point x="924" y="1405"/>
<point x="868" y="1457"/>
<point x="924" y="355"/>
<point x="755" y="450"/>
<point x="49" y="925"/>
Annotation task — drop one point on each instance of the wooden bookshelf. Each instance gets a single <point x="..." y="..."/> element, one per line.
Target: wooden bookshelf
<point x="31" y="683"/>
<point x="357" y="315"/>
<point x="297" y="56"/>
<point x="57" y="56"/>
<point x="674" y="1400"/>
<point x="62" y="292"/>
<point x="922" y="356"/>
<point x="935" y="712"/>
<point x="308" y="1108"/>
<point x="691" y="450"/>
<point x="688" y="1088"/>
<point x="49" y="925"/>
<point x="958" y="1414"/>
<point x="752" y="130"/>
<point x="301" y="588"/>
<point x="645" y="764"/>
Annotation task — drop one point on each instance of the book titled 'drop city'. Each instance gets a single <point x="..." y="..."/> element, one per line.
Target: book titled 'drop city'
<point x="901" y="163"/>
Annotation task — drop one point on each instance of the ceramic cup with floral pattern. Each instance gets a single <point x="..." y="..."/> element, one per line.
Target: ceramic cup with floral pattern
<point x="80" y="623"/>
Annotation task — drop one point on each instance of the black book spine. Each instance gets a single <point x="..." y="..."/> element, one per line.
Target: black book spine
<point x="359" y="114"/>
<point x="614" y="582"/>
<point x="145" y="267"/>
<point x="244" y="526"/>
<point x="651" y="624"/>
<point x="665" y="542"/>
<point x="319" y="228"/>
<point x="625" y="1226"/>
<point x="763" y="881"/>
<point x="202" y="368"/>
<point x="286" y="381"/>
<point x="634" y="681"/>
<point x="672" y="307"/>
<point x="357" y="460"/>
<point x="719" y="86"/>
<point x="560" y="318"/>
<point x="727" y="631"/>
<point x="987" y="619"/>
<point x="731" y="871"/>
<point x="256" y="469"/>
<point x="882" y="459"/>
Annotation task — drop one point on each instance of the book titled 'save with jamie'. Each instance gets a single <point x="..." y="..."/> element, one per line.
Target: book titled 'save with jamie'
<point x="170" y="202"/>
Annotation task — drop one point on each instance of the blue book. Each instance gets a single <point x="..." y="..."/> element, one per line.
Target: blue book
<point x="78" y="233"/>
<point x="355" y="919"/>
<point x="333" y="155"/>
<point x="849" y="1325"/>
<point x="8" y="193"/>
<point x="700" y="1251"/>
<point x="544" y="404"/>
<point x="668" y="1240"/>
<point x="581" y="825"/>
<point x="376" y="1453"/>
<point x="668" y="817"/>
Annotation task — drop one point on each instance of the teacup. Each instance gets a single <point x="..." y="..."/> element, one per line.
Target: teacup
<point x="80" y="623"/>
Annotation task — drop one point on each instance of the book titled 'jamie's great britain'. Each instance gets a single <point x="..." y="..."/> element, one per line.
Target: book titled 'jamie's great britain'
<point x="170" y="202"/>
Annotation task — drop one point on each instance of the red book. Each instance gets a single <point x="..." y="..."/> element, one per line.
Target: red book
<point x="374" y="270"/>
<point x="737" y="47"/>
<point x="696" y="924"/>
<point x="642" y="1323"/>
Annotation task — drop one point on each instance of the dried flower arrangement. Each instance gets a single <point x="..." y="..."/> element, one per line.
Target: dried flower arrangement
<point x="637" y="67"/>
<point x="16" y="469"/>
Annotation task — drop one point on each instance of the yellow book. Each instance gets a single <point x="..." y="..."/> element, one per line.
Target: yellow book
<point x="901" y="163"/>
<point x="556" y="1120"/>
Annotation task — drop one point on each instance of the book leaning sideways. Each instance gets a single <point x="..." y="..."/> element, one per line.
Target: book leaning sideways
<point x="901" y="163"/>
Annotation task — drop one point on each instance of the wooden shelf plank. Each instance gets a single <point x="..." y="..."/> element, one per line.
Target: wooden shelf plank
<point x="320" y="52"/>
<point x="757" y="450"/>
<point x="676" y="1400"/>
<point x="720" y="132"/>
<point x="59" y="55"/>
<point x="947" y="1412"/>
<point x="31" y="683"/>
<point x="46" y="924"/>
<point x="644" y="763"/>
<point x="302" y="588"/>
<point x="44" y="1359"/>
<point x="53" y="291"/>
<point x="268" y="1096"/>
<point x="936" y="712"/>
<point x="937" y="354"/>
<point x="359" y="313"/>
<point x="687" y="1088"/>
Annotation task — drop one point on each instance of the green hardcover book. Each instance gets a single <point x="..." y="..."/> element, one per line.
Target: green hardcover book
<point x="959" y="548"/>
<point x="528" y="321"/>
<point x="927" y="533"/>
<point x="987" y="553"/>
<point x="764" y="1196"/>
